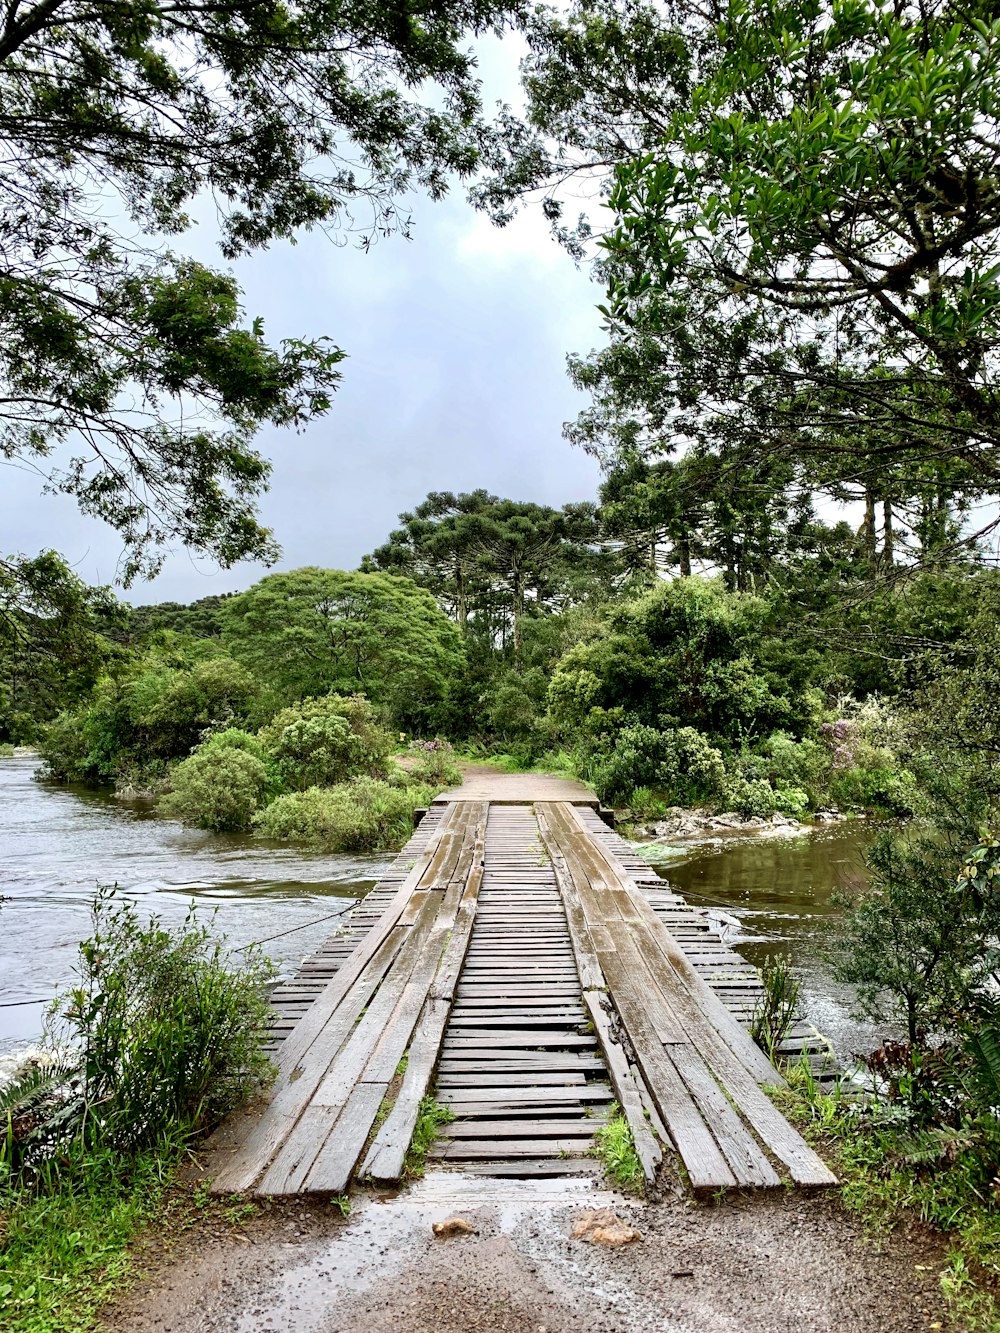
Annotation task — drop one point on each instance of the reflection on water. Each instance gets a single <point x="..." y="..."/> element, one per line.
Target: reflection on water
<point x="58" y="844"/>
<point x="780" y="890"/>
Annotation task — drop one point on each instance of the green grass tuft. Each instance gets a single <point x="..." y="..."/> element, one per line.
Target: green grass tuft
<point x="615" y="1146"/>
<point x="432" y="1116"/>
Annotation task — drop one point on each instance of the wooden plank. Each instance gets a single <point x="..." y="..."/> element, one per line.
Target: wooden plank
<point x="518" y="1096"/>
<point x="748" y="1163"/>
<point x="291" y="1164"/>
<point x="386" y="1156"/>
<point x="467" y="1149"/>
<point x="542" y="1077"/>
<point x="242" y="1148"/>
<point x="657" y="936"/>
<point x="535" y="1128"/>
<point x="689" y="1027"/>
<point x="706" y="1167"/>
<point x="380" y="1039"/>
<point x="627" y="1094"/>
<point x="587" y="965"/>
<point x="240" y="1151"/>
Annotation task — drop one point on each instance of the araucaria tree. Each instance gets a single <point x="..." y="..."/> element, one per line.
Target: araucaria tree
<point x="128" y="373"/>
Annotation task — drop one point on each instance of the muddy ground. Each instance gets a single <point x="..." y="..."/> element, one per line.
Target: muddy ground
<point x="747" y="1264"/>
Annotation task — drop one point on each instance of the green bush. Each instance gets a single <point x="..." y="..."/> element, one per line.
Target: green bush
<point x="639" y="756"/>
<point x="888" y="790"/>
<point x="163" y="1040"/>
<point x="131" y="729"/>
<point x="434" y="763"/>
<point x="219" y="788"/>
<point x="753" y="797"/>
<point x="319" y="742"/>
<point x="803" y="765"/>
<point x="680" y="765"/>
<point x="357" y="816"/>
<point x="644" y="804"/>
<point x="791" y="800"/>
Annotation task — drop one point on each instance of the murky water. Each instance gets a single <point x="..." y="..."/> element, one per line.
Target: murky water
<point x="57" y="844"/>
<point x="780" y="890"/>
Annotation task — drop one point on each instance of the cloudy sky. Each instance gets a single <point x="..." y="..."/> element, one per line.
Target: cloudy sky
<point x="455" y="379"/>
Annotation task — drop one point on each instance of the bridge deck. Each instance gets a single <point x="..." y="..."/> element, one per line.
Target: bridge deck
<point x="530" y="969"/>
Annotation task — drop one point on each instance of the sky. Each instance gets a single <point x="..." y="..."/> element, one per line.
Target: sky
<point x="455" y="379"/>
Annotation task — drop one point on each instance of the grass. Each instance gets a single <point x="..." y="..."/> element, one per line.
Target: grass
<point x="557" y="762"/>
<point x="166" y="1042"/>
<point x="885" y="1183"/>
<point x="615" y="1146"/>
<point x="431" y="1117"/>
<point x="64" y="1253"/>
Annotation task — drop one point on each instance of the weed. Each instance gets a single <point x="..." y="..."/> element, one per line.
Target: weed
<point x="615" y="1146"/>
<point x="431" y="1117"/>
<point x="342" y="1203"/>
<point x="889" y="1172"/>
<point x="775" y="1010"/>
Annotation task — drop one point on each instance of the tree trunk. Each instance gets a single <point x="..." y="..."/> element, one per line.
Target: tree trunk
<point x="684" y="553"/>
<point x="871" y="551"/>
<point x="460" y="607"/>
<point x="517" y="588"/>
<point x="887" y="536"/>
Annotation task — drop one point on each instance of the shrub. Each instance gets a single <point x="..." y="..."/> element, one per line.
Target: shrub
<point x="220" y="788"/>
<point x="919" y="947"/>
<point x="640" y="756"/>
<point x="435" y="763"/>
<point x="889" y="790"/>
<point x="753" y="797"/>
<point x="804" y="764"/>
<point x="680" y="764"/>
<point x="131" y="729"/>
<point x="158" y="1042"/>
<point x="791" y="800"/>
<point x="644" y="804"/>
<point x="356" y="816"/>
<point x="319" y="742"/>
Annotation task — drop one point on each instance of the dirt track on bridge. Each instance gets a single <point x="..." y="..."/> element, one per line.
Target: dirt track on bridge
<point x="748" y="1264"/>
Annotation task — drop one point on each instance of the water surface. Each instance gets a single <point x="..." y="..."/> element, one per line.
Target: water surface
<point x="57" y="844"/>
<point x="780" y="889"/>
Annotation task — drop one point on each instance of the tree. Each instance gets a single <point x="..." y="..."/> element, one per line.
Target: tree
<point x="683" y="654"/>
<point x="802" y="255"/>
<point x="437" y="548"/>
<point x="822" y="209"/>
<point x="128" y="375"/>
<point x="312" y="631"/>
<point x="491" y="561"/>
<point x="53" y="643"/>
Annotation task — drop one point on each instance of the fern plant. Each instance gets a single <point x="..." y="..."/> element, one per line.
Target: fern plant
<point x="984" y="1048"/>
<point x="39" y="1108"/>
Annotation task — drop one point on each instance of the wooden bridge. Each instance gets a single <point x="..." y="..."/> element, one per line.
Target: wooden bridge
<point x="522" y="966"/>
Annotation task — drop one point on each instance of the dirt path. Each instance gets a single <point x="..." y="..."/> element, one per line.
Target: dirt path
<point x="749" y="1264"/>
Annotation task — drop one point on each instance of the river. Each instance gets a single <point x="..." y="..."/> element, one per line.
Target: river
<point x="58" y="844"/>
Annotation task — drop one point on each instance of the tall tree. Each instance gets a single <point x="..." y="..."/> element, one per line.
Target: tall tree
<point x="491" y="561"/>
<point x="128" y="374"/>
<point x="804" y="247"/>
<point x="53" y="643"/>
